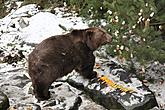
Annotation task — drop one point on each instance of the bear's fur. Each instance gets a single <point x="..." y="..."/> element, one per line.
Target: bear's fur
<point x="58" y="55"/>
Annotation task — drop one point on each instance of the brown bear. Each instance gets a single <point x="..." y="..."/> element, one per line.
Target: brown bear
<point x="58" y="55"/>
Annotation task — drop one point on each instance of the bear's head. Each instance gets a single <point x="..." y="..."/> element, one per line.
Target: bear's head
<point x="93" y="37"/>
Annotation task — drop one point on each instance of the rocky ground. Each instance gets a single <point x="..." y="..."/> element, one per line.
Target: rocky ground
<point x="115" y="87"/>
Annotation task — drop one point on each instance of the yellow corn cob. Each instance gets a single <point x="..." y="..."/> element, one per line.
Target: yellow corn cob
<point x="112" y="84"/>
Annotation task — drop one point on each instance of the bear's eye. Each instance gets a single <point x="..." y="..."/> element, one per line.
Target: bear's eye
<point x="103" y="35"/>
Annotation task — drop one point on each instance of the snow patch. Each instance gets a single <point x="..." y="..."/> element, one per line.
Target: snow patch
<point x="45" y="24"/>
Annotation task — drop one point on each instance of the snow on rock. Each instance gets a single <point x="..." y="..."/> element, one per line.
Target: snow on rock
<point x="25" y="11"/>
<point x="126" y="94"/>
<point x="41" y="26"/>
<point x="45" y="24"/>
<point x="160" y="93"/>
<point x="29" y="24"/>
<point x="11" y="27"/>
<point x="12" y="19"/>
<point x="156" y="72"/>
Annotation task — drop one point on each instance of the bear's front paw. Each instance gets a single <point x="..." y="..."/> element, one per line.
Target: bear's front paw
<point x="42" y="97"/>
<point x="92" y="75"/>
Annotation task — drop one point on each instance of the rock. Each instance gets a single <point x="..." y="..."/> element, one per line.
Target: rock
<point x="23" y="23"/>
<point x="4" y="101"/>
<point x="12" y="25"/>
<point x="13" y="58"/>
<point x="30" y="106"/>
<point x="1" y="56"/>
<point x="89" y="104"/>
<point x="66" y="97"/>
<point x="63" y="97"/>
<point x="155" y="71"/>
<point x="76" y="104"/>
<point x="1" y="51"/>
<point x="52" y="11"/>
<point x="153" y="77"/>
<point x="113" y="92"/>
<point x="78" y="93"/>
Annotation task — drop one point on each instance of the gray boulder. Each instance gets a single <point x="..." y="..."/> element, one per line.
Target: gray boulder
<point x="4" y="101"/>
<point x="27" y="106"/>
<point x="118" y="90"/>
<point x="123" y="91"/>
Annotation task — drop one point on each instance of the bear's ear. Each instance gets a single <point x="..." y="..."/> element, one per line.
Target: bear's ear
<point x="89" y="33"/>
<point x="89" y="39"/>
